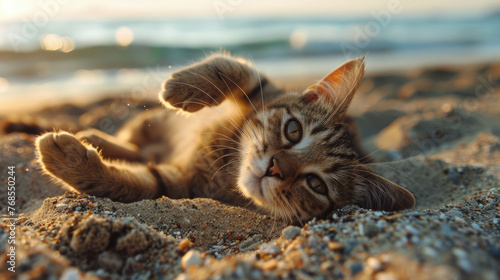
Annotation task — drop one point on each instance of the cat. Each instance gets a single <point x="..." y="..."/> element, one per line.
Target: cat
<point x="238" y="139"/>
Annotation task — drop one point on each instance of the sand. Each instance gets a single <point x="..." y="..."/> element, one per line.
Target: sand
<point x="435" y="130"/>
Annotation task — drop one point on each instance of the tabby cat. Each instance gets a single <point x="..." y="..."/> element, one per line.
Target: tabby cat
<point x="244" y="142"/>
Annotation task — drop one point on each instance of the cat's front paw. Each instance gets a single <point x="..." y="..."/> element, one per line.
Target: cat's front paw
<point x="65" y="157"/>
<point x="191" y="91"/>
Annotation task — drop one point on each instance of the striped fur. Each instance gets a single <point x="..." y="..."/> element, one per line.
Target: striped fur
<point x="237" y="151"/>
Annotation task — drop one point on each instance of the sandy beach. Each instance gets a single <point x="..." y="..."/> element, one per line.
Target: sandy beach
<point x="435" y="131"/>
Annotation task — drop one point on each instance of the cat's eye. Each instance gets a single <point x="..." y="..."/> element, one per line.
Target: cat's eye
<point x="293" y="131"/>
<point x="316" y="184"/>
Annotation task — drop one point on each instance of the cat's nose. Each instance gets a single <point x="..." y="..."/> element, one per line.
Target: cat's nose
<point x="274" y="168"/>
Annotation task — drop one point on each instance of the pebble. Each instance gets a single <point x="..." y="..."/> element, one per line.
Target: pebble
<point x="355" y="267"/>
<point x="269" y="265"/>
<point x="415" y="214"/>
<point x="217" y="247"/>
<point x="369" y="229"/>
<point x="326" y="266"/>
<point x="429" y="252"/>
<point x="78" y="208"/>
<point x="378" y="214"/>
<point x="269" y="249"/>
<point x="291" y="232"/>
<point x="184" y="244"/>
<point x="381" y="224"/>
<point x="463" y="260"/>
<point x="312" y="241"/>
<point x="100" y="272"/>
<point x="446" y="229"/>
<point x="374" y="264"/>
<point x="454" y="176"/>
<point x="476" y="227"/>
<point x="251" y="243"/>
<point x="61" y="206"/>
<point x="465" y="265"/>
<point x="70" y="274"/>
<point x="191" y="258"/>
<point x="412" y="230"/>
<point x="495" y="252"/>
<point x="256" y="274"/>
<point x="335" y="246"/>
<point x="454" y="213"/>
<point x="385" y="276"/>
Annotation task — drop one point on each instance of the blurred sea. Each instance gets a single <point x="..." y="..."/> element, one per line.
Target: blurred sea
<point x="69" y="57"/>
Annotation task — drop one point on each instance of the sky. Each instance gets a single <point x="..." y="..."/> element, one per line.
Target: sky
<point x="22" y="10"/>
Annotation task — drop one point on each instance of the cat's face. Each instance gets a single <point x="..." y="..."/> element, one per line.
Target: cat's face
<point x="300" y="162"/>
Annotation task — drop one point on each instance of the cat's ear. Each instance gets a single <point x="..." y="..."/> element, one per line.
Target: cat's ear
<point x="375" y="192"/>
<point x="339" y="86"/>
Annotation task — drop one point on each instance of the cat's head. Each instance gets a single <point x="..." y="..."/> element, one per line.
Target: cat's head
<point x="301" y="162"/>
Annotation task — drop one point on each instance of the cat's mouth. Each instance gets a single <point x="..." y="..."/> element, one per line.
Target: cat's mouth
<point x="253" y="185"/>
<point x="258" y="184"/>
<point x="261" y="188"/>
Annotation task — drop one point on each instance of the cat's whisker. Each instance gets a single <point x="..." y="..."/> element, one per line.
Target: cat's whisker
<point x="386" y="162"/>
<point x="236" y="106"/>
<point x="246" y="95"/>
<point x="400" y="172"/>
<point x="221" y="125"/>
<point x="275" y="219"/>
<point x="260" y="83"/>
<point x="214" y="151"/>
<point x="220" y="134"/>
<point x="220" y="146"/>
<point x="249" y="125"/>
<point x="229" y="119"/>
<point x="221" y="157"/>
<point x="234" y="98"/>
<point x="221" y="140"/>
<point x="249" y="202"/>
<point x="278" y="210"/>
<point x="370" y="154"/>
<point x="229" y="162"/>
<point x="220" y="74"/>
<point x="289" y="207"/>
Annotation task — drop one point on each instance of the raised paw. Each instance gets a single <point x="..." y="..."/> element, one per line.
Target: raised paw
<point x="192" y="89"/>
<point x="66" y="158"/>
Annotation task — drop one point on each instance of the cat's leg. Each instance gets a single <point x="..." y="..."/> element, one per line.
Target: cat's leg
<point x="215" y="79"/>
<point x="80" y="166"/>
<point x="143" y="138"/>
<point x="110" y="147"/>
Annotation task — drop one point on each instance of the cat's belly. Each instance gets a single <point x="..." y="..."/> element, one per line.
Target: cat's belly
<point x="188" y="135"/>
